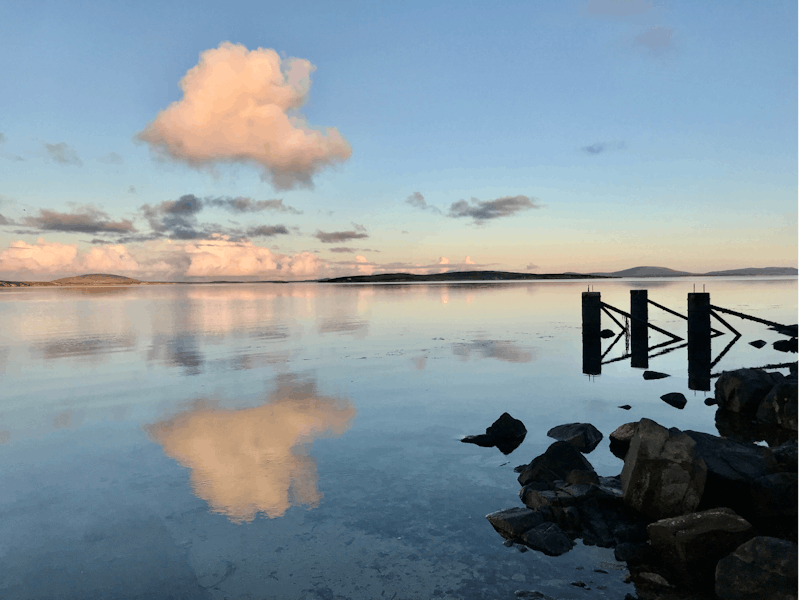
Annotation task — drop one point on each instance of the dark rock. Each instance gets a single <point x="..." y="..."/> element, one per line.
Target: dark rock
<point x="745" y="429"/>
<point x="764" y="567"/>
<point x="630" y="597"/>
<point x="620" y="439"/>
<point x="730" y="468"/>
<point x="758" y="344"/>
<point x="506" y="433"/>
<point x="625" y="407"/>
<point x="607" y="333"/>
<point x="779" y="406"/>
<point x="663" y="476"/>
<point x="532" y="595"/>
<point x="579" y="584"/>
<point x="786" y="456"/>
<point x="710" y="401"/>
<point x="790" y="330"/>
<point x="675" y="399"/>
<point x="584" y="436"/>
<point x="556" y="463"/>
<point x="633" y="552"/>
<point x="691" y="545"/>
<point x="786" y="345"/>
<point x="743" y="389"/>
<point x="631" y="530"/>
<point x="654" y="375"/>
<point x="585" y="477"/>
<point x="600" y="571"/>
<point x="511" y="523"/>
<point x="547" y="538"/>
<point x="775" y="500"/>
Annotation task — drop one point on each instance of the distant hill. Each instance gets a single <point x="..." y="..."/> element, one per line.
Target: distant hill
<point x="96" y="279"/>
<point x="453" y="276"/>
<point x="765" y="271"/>
<point x="646" y="272"/>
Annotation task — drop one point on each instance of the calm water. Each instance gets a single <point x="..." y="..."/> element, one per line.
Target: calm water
<point x="302" y="441"/>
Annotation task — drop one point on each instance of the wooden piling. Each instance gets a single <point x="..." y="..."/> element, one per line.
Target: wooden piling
<point x="590" y="331"/>
<point x="699" y="339"/>
<point x="639" y="333"/>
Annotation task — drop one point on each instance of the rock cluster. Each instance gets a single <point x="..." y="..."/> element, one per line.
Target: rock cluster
<point x="691" y="513"/>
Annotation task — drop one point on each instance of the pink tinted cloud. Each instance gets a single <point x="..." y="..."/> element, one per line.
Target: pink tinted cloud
<point x="240" y="106"/>
<point x="42" y="257"/>
<point x="221" y="257"/>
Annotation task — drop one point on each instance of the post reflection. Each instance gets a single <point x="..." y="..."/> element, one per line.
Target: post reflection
<point x="254" y="460"/>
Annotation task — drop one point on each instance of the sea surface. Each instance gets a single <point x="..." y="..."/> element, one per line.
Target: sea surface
<point x="302" y="441"/>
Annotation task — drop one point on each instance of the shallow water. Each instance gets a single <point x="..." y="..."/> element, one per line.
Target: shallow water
<point x="302" y="440"/>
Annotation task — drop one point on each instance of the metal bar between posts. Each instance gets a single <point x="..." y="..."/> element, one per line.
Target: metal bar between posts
<point x="611" y="346"/>
<point x="658" y="329"/>
<point x="612" y="317"/>
<point x="743" y="316"/>
<point x="724" y="322"/>
<point x="677" y="314"/>
<point x="778" y="366"/>
<point x="725" y="351"/>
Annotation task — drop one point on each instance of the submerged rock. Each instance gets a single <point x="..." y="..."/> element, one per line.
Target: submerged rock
<point x="764" y="567"/>
<point x="549" y="539"/>
<point x="758" y="344"/>
<point x="675" y="399"/>
<point x="558" y="461"/>
<point x="654" y="375"/>
<point x="511" y="523"/>
<point x="584" y="436"/>
<point x="607" y="333"/>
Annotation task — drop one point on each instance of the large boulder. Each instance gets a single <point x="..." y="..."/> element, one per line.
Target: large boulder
<point x="780" y="405"/>
<point x="620" y="439"/>
<point x="662" y="476"/>
<point x="743" y="389"/>
<point x="511" y="523"/>
<point x="745" y="429"/>
<point x="584" y="436"/>
<point x="774" y="500"/>
<point x="764" y="567"/>
<point x="731" y="468"/>
<point x="786" y="456"/>
<point x="547" y="538"/>
<point x="691" y="545"/>
<point x="558" y="461"/>
<point x="506" y="433"/>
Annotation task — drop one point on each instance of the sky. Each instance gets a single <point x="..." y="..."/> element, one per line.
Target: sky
<point x="182" y="141"/>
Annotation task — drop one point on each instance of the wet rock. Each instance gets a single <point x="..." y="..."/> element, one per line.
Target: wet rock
<point x="786" y="456"/>
<point x="584" y="436"/>
<point x="764" y="567"/>
<point x="579" y="584"/>
<point x="662" y="476"/>
<point x="774" y="499"/>
<point x="511" y="523"/>
<point x="506" y="433"/>
<point x="547" y="538"/>
<point x="745" y="429"/>
<point x="675" y="399"/>
<point x="779" y="406"/>
<point x="620" y="439"/>
<point x="742" y="390"/>
<point x="730" y="469"/>
<point x="607" y="333"/>
<point x="786" y="345"/>
<point x="691" y="545"/>
<point x="758" y="344"/>
<point x="556" y="463"/>
<point x="654" y="375"/>
<point x="532" y="595"/>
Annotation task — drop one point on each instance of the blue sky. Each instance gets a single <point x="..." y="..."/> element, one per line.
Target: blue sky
<point x="619" y="133"/>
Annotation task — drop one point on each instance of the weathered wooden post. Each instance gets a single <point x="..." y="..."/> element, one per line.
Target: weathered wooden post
<point x="639" y="333"/>
<point x="591" y="304"/>
<point x="699" y="351"/>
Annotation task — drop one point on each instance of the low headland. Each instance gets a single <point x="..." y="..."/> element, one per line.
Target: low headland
<point x="104" y="279"/>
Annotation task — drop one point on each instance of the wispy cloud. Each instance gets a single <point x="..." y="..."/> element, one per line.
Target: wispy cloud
<point x="267" y="231"/>
<point x="657" y="39"/>
<point x="343" y="250"/>
<point x="112" y="158"/>
<point x="481" y="211"/>
<point x="63" y="154"/>
<point x="4" y="221"/>
<point x="333" y="237"/>
<point x="241" y="106"/>
<point x="84" y="220"/>
<point x="417" y="200"/>
<point x="241" y="204"/>
<point x="178" y="218"/>
<point x="600" y="147"/>
<point x="618" y="8"/>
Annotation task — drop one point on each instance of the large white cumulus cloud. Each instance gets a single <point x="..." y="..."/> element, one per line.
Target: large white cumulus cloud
<point x="241" y="106"/>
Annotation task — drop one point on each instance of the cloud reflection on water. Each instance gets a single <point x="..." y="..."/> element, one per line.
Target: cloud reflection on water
<point x="253" y="460"/>
<point x="501" y="350"/>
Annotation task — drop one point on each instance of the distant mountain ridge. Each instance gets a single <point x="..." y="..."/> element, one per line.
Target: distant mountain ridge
<point x="665" y="272"/>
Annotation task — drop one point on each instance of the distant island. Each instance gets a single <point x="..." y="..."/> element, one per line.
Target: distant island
<point x="104" y="279"/>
